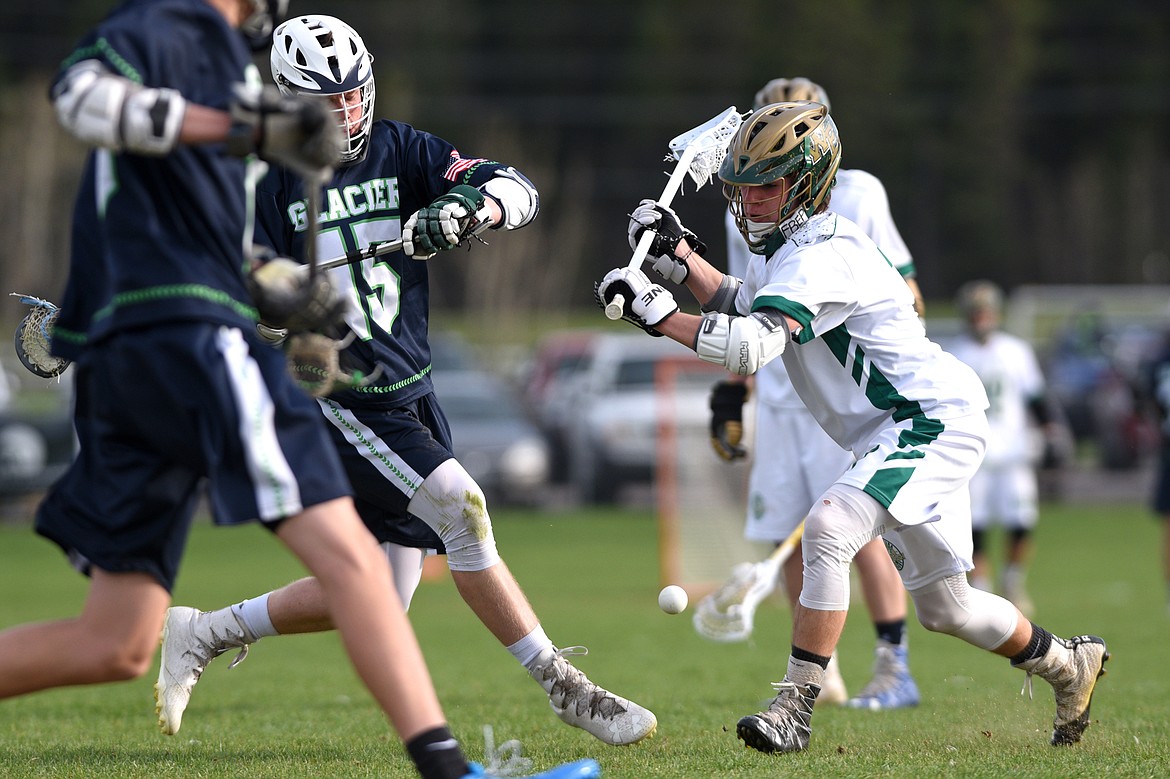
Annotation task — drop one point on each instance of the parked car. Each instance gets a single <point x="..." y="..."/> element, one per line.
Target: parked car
<point x="557" y="362"/>
<point x="34" y="451"/>
<point x="614" y="407"/>
<point x="493" y="438"/>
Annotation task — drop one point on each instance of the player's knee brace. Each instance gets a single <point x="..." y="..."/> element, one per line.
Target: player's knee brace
<point x="836" y="528"/>
<point x="950" y="606"/>
<point x="453" y="505"/>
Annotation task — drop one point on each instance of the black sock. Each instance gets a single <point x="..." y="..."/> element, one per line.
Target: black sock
<point x="1037" y="646"/>
<point x="437" y="755"/>
<point x="891" y="632"/>
<point x="809" y="657"/>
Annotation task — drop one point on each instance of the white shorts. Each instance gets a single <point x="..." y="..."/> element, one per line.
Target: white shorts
<point x="794" y="462"/>
<point x="1004" y="494"/>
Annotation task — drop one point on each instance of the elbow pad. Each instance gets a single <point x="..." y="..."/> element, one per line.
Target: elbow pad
<point x="103" y="109"/>
<point x="742" y="344"/>
<point x="518" y="199"/>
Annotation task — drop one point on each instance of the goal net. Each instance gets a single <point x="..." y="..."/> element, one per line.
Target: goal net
<point x="701" y="498"/>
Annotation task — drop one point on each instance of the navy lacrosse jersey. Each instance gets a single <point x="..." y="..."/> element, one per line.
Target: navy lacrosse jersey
<point x="160" y="238"/>
<point x="405" y="170"/>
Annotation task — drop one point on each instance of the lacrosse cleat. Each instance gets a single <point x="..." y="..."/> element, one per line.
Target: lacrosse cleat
<point x="582" y="704"/>
<point x="190" y="640"/>
<point x="578" y="769"/>
<point x="891" y="687"/>
<point x="833" y="690"/>
<point x="785" y="725"/>
<point x="1072" y="666"/>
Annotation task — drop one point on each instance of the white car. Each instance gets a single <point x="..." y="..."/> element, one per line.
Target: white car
<point x="613" y="426"/>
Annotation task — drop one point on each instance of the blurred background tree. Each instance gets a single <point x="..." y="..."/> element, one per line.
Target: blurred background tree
<point x="1026" y="141"/>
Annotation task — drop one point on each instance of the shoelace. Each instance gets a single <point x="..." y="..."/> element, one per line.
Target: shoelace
<point x="791" y="727"/>
<point x="572" y="680"/>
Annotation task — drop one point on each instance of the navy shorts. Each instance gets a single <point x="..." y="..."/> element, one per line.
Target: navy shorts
<point x="387" y="454"/>
<point x="165" y="413"/>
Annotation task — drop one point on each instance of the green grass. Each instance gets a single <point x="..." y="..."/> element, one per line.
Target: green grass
<point x="295" y="709"/>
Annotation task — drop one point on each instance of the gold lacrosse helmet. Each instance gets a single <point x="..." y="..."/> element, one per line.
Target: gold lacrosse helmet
<point x="788" y="90"/>
<point x="794" y="140"/>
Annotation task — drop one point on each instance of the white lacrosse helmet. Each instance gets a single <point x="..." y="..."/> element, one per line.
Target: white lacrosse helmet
<point x="322" y="56"/>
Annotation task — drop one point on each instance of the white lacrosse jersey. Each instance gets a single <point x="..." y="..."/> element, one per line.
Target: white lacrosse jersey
<point x="1011" y="375"/>
<point x="859" y="359"/>
<point x="859" y="197"/>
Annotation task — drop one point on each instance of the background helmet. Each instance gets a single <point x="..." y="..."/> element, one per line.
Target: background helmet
<point x="981" y="305"/>
<point x="265" y="15"/>
<point x="797" y="140"/>
<point x="322" y="56"/>
<point x="790" y="90"/>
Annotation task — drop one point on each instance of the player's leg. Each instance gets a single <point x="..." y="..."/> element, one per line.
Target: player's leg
<point x="891" y="686"/>
<point x="1019" y="496"/>
<point x="113" y="639"/>
<point x="933" y="562"/>
<point x="452" y="503"/>
<point x="840" y="523"/>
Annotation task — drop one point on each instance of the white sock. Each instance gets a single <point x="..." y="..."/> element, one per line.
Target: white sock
<point x="803" y="673"/>
<point x="252" y="614"/>
<point x="534" y="649"/>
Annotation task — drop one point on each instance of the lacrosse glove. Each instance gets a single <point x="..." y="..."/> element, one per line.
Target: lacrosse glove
<point x="314" y="360"/>
<point x="668" y="231"/>
<point x="443" y="224"/>
<point x="288" y="298"/>
<point x="295" y="132"/>
<point x="727" y="399"/>
<point x="645" y="303"/>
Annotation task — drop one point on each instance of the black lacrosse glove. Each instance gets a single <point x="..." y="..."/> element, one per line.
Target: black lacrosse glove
<point x="727" y="399"/>
<point x="668" y="231"/>
<point x="287" y="298"/>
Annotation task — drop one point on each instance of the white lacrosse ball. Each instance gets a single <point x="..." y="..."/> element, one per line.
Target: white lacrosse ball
<point x="672" y="599"/>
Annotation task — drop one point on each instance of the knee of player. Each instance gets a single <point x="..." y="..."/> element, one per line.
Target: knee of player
<point x="940" y="608"/>
<point x="115" y="662"/>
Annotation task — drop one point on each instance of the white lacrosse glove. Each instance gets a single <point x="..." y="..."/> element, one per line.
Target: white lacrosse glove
<point x="443" y="224"/>
<point x="646" y="303"/>
<point x="668" y="231"/>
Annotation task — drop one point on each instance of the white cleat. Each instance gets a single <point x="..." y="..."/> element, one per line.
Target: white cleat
<point x="1072" y="666"/>
<point x="582" y="704"/>
<point x="191" y="639"/>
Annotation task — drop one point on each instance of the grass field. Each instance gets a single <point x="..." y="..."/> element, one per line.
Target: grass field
<point x="295" y="709"/>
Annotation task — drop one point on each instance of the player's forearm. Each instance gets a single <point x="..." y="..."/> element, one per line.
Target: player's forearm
<point x="703" y="279"/>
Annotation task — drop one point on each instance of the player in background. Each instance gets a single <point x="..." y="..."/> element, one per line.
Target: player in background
<point x="1159" y="388"/>
<point x="819" y="294"/>
<point x="391" y="433"/>
<point x="1005" y="490"/>
<point x="175" y="388"/>
<point x="783" y="484"/>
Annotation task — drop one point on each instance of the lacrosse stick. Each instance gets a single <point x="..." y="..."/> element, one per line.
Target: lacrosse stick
<point x="34" y="335"/>
<point x="378" y="248"/>
<point x="699" y="152"/>
<point x="728" y="614"/>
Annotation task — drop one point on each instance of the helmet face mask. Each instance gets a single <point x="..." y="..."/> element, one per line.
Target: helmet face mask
<point x="981" y="304"/>
<point x="796" y="143"/>
<point x="323" y="57"/>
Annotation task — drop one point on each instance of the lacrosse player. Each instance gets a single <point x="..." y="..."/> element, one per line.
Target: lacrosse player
<point x="1005" y="488"/>
<point x="782" y="486"/>
<point x="175" y="388"/>
<point x="820" y="294"/>
<point x="391" y="433"/>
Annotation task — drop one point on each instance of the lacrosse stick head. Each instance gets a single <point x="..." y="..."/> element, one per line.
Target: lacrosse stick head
<point x="728" y="614"/>
<point x="707" y="144"/>
<point x="34" y="336"/>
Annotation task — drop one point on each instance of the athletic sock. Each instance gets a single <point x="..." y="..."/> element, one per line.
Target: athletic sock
<point x="806" y="668"/>
<point x="892" y="632"/>
<point x="533" y="650"/>
<point x="1037" y="646"/>
<point x="252" y="614"/>
<point x="436" y="755"/>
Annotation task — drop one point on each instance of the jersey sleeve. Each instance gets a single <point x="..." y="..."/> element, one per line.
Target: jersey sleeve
<point x="433" y="166"/>
<point x="867" y="204"/>
<point x="815" y="285"/>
